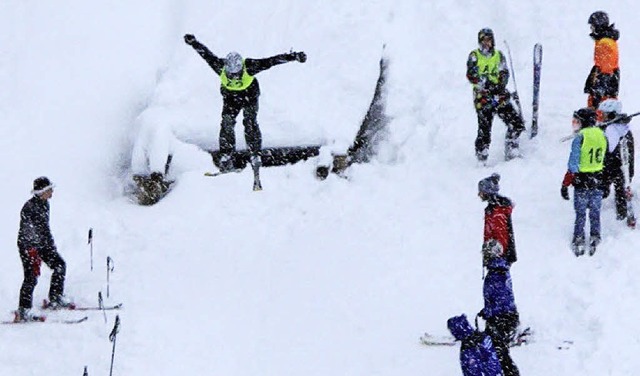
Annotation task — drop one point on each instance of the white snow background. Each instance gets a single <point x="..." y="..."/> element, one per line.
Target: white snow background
<point x="338" y="277"/>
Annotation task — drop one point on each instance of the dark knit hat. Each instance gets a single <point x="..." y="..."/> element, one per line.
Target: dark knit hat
<point x="41" y="185"/>
<point x="490" y="185"/>
<point x="586" y="116"/>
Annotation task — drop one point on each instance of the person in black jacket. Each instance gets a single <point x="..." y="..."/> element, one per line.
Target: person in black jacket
<point x="488" y="73"/>
<point x="240" y="91"/>
<point x="35" y="245"/>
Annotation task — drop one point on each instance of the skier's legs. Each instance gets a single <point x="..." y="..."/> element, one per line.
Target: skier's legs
<point x="230" y="110"/>
<point x="515" y="125"/>
<point x="501" y="329"/>
<point x="483" y="139"/>
<point x="580" y="200"/>
<point x="594" y="203"/>
<point x="252" y="133"/>
<point x="620" y="195"/>
<point x="31" y="269"/>
<point x="55" y="262"/>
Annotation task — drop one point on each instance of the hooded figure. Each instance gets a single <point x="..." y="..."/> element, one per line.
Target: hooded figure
<point x="500" y="311"/>
<point x="477" y="354"/>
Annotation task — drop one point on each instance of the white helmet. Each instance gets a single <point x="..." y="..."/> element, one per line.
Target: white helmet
<point x="611" y="106"/>
<point x="233" y="63"/>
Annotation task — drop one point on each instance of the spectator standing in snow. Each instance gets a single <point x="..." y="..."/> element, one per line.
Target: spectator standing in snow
<point x="240" y="91"/>
<point x="604" y="79"/>
<point x="619" y="137"/>
<point x="585" y="166"/>
<point x="36" y="244"/>
<point x="498" y="253"/>
<point x="477" y="355"/>
<point x="498" y="226"/>
<point x="488" y="73"/>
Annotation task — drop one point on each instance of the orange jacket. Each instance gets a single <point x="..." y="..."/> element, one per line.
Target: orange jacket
<point x="605" y="55"/>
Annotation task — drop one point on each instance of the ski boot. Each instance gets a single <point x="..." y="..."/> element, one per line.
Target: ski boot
<point x="578" y="246"/>
<point x="59" y="303"/>
<point x="226" y="163"/>
<point x="511" y="150"/>
<point x="24" y="315"/>
<point x="482" y="156"/>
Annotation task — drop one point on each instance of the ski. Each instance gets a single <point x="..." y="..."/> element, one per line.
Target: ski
<point x="45" y="320"/>
<point x="628" y="194"/>
<point x="521" y="338"/>
<point x="47" y="305"/>
<point x="430" y="340"/>
<point x="537" y="66"/>
<point x="218" y="173"/>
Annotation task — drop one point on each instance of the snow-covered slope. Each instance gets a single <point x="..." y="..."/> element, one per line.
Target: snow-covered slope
<point x="306" y="277"/>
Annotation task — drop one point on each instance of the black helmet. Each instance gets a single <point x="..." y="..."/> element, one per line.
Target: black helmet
<point x="485" y="32"/>
<point x="586" y="116"/>
<point x="599" y="19"/>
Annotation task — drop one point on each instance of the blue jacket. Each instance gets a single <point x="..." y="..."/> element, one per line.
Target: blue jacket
<point x="498" y="290"/>
<point x="477" y="355"/>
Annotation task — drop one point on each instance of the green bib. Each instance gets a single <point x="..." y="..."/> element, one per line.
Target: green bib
<point x="594" y="145"/>
<point x="488" y="65"/>
<point x="234" y="84"/>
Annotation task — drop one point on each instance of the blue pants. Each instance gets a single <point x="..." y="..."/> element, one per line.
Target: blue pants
<point x="587" y="199"/>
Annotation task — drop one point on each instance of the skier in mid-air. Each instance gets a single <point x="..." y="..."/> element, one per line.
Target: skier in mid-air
<point x="240" y="91"/>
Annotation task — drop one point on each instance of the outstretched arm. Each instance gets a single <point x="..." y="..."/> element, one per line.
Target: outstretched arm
<point x="255" y="66"/>
<point x="214" y="62"/>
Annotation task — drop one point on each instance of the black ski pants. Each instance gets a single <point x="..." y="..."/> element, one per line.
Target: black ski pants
<point x="508" y="114"/>
<point x="231" y="107"/>
<point x="502" y="329"/>
<point x="31" y="268"/>
<point x="620" y="194"/>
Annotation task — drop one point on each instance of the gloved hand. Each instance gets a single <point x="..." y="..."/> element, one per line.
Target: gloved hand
<point x="189" y="39"/>
<point x="564" y="192"/>
<point x="483" y="83"/>
<point x="299" y="56"/>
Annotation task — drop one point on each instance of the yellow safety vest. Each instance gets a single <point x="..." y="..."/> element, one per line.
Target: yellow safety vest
<point x="594" y="145"/>
<point x="489" y="65"/>
<point x="234" y="84"/>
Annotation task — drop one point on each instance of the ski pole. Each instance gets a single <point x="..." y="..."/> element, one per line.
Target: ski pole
<point x="86" y="373"/>
<point x="112" y="338"/>
<point x="110" y="267"/>
<point x="515" y="85"/>
<point x="90" y="242"/>
<point x="101" y="306"/>
<point x="617" y="119"/>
